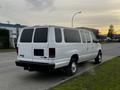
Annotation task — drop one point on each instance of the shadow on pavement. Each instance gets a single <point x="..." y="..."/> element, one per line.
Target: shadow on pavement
<point x="54" y="75"/>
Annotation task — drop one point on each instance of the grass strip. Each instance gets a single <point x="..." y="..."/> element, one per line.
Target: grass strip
<point x="105" y="76"/>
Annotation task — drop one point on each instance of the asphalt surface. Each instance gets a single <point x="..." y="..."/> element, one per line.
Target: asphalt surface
<point x="15" y="78"/>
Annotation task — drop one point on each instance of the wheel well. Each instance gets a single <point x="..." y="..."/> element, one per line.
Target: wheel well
<point x="75" y="56"/>
<point x="100" y="51"/>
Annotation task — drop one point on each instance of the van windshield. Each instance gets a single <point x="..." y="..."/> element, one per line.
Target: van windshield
<point x="26" y="35"/>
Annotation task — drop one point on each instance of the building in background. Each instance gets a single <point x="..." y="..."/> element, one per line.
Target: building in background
<point x="9" y="34"/>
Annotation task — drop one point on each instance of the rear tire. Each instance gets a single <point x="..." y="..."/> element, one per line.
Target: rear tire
<point x="72" y="67"/>
<point x="98" y="59"/>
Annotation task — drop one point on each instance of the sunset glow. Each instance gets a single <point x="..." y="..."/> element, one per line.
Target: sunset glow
<point x="104" y="30"/>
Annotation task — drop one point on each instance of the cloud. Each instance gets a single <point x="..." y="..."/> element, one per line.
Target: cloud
<point x="0" y="6"/>
<point x="97" y="12"/>
<point x="87" y="6"/>
<point x="40" y="4"/>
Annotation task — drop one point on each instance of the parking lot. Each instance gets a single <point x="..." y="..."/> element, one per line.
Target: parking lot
<point x="15" y="78"/>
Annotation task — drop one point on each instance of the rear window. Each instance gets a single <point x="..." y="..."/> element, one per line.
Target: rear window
<point x="26" y="35"/>
<point x="41" y="35"/>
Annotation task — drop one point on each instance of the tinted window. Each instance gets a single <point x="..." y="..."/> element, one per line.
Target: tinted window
<point x="71" y="35"/>
<point x="41" y="35"/>
<point x="58" y="35"/>
<point x="83" y="37"/>
<point x="88" y="37"/>
<point x="26" y="35"/>
<point x="93" y="37"/>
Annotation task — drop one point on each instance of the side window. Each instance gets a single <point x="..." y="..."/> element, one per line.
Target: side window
<point x="41" y="35"/>
<point x="26" y="35"/>
<point x="58" y="35"/>
<point x="83" y="37"/>
<point x="93" y="37"/>
<point x="72" y="36"/>
<point x="88" y="37"/>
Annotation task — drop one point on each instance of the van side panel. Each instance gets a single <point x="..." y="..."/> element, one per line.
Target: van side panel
<point x="64" y="51"/>
<point x="90" y="51"/>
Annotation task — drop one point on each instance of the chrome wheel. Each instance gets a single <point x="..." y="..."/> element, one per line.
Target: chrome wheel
<point x="98" y="59"/>
<point x="73" y="67"/>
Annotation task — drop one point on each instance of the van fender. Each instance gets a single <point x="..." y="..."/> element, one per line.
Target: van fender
<point x="99" y="46"/>
<point x="67" y="60"/>
<point x="72" y="53"/>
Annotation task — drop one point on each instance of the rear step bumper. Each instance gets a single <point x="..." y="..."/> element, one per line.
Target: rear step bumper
<point x="35" y="65"/>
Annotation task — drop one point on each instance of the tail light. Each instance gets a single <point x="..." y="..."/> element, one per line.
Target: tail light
<point x="51" y="52"/>
<point x="17" y="50"/>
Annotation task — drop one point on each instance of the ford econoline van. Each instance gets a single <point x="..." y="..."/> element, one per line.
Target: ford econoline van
<point x="43" y="48"/>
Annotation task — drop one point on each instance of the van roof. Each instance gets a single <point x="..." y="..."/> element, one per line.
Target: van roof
<point x="37" y="26"/>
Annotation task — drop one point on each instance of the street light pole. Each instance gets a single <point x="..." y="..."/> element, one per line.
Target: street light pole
<point x="72" y="22"/>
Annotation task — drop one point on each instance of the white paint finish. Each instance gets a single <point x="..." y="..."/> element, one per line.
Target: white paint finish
<point x="25" y="51"/>
<point x="63" y="51"/>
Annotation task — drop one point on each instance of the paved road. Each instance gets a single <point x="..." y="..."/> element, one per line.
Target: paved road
<point x="15" y="78"/>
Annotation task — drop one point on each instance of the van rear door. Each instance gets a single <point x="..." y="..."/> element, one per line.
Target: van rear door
<point x="25" y="45"/>
<point x="40" y="44"/>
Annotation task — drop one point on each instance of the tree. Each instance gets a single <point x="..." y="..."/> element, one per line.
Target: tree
<point x="110" y="32"/>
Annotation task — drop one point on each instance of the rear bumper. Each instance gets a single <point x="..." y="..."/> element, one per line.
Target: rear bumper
<point x="35" y="65"/>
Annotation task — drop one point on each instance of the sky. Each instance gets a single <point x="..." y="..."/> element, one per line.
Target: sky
<point x="95" y="13"/>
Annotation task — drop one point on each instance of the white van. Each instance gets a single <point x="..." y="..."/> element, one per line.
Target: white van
<point x="52" y="47"/>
